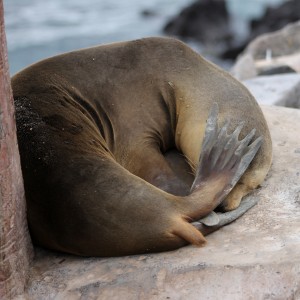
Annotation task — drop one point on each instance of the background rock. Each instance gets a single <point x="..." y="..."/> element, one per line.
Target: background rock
<point x="270" y="50"/>
<point x="206" y="21"/>
<point x="256" y="257"/>
<point x="282" y="90"/>
<point x="274" y="18"/>
<point x="209" y="22"/>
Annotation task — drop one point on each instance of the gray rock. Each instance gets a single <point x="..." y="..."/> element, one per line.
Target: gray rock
<point x="282" y="90"/>
<point x="273" y="49"/>
<point x="256" y="257"/>
<point x="273" y="70"/>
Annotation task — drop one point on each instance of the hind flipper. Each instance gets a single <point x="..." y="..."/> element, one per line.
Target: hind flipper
<point x="222" y="219"/>
<point x="218" y="220"/>
<point x="223" y="160"/>
<point x="223" y="154"/>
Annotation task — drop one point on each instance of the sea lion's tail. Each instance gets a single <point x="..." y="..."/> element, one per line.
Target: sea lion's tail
<point x="223" y="160"/>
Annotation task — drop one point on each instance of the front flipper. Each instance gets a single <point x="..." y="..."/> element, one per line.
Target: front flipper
<point x="224" y="155"/>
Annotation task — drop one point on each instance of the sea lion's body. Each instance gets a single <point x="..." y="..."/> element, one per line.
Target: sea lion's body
<point x="95" y="124"/>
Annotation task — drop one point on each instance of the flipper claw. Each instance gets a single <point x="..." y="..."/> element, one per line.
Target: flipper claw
<point x="221" y="140"/>
<point x="211" y="129"/>
<point x="245" y="142"/>
<point x="234" y="136"/>
<point x="246" y="159"/>
<point x="210" y="138"/>
<point x="232" y="144"/>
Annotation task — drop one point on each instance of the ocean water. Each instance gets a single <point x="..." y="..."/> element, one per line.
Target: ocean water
<point x="37" y="29"/>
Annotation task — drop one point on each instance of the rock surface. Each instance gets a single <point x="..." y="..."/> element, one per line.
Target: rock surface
<point x="256" y="257"/>
<point x="282" y="90"/>
<point x="273" y="49"/>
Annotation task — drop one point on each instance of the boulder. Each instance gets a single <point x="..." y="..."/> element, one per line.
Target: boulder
<point x="282" y="90"/>
<point x="272" y="50"/>
<point x="256" y="257"/>
<point x="206" y="21"/>
<point x="274" y="18"/>
<point x="209" y="22"/>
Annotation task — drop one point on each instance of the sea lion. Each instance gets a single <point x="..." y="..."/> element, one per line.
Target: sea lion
<point x="102" y="130"/>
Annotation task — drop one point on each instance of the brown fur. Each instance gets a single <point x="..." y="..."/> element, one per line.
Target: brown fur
<point x="97" y="128"/>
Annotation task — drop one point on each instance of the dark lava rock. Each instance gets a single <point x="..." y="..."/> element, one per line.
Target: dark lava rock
<point x="206" y="21"/>
<point x="273" y="70"/>
<point x="276" y="18"/>
<point x="273" y="19"/>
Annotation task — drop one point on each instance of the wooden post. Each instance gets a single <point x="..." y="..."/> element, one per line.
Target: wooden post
<point x="15" y="244"/>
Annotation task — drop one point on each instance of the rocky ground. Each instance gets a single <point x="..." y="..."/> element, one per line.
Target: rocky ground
<point x="256" y="257"/>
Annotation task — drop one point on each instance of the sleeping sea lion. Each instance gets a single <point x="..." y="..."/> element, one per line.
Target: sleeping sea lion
<point x="110" y="140"/>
